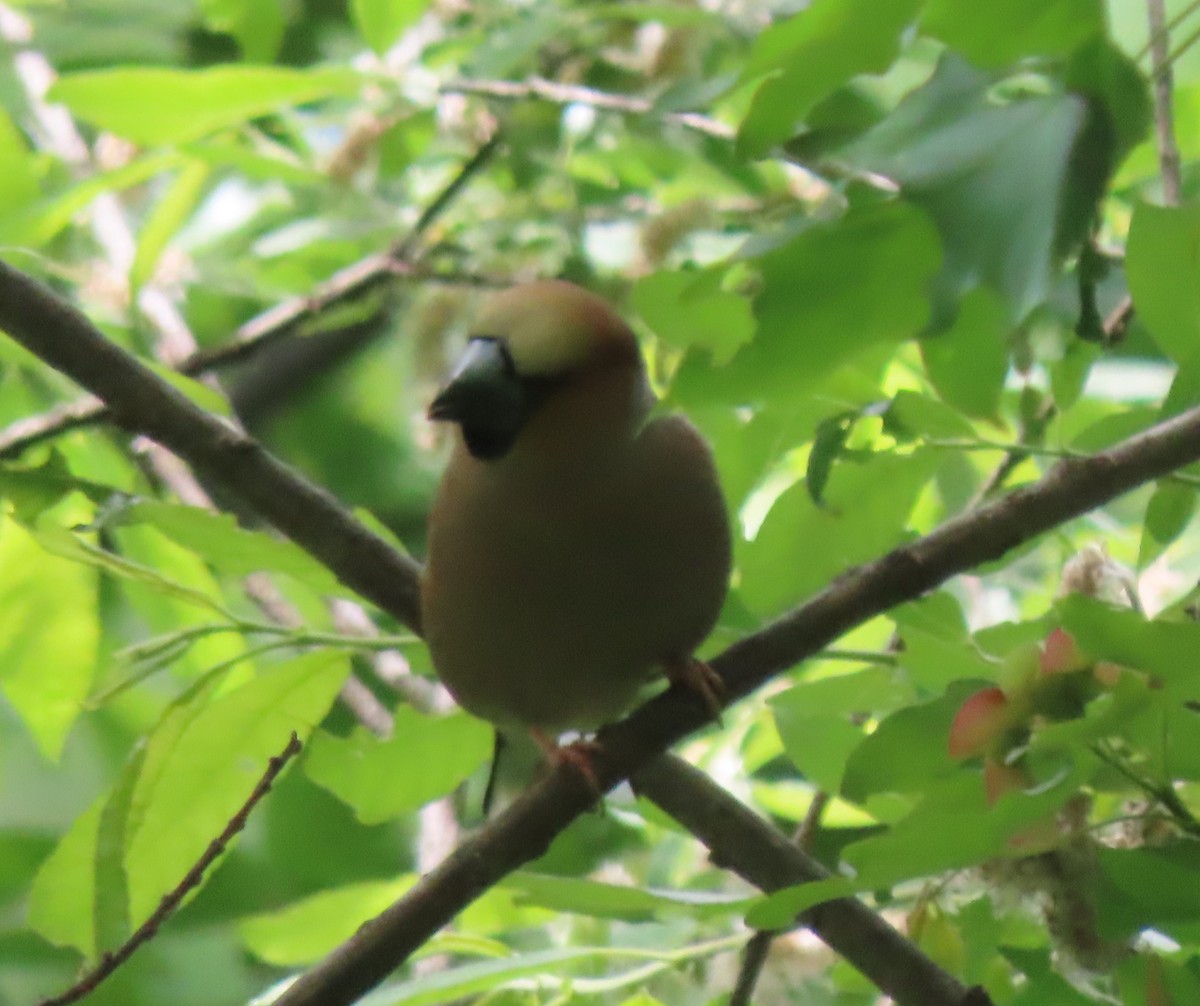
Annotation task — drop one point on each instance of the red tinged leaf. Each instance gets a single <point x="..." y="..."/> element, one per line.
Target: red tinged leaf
<point x="1061" y="654"/>
<point x="980" y="720"/>
<point x="1000" y="778"/>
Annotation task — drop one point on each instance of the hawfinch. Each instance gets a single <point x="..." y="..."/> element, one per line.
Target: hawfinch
<point x="575" y="542"/>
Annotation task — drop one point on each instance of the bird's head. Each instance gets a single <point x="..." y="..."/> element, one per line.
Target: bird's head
<point x="543" y="347"/>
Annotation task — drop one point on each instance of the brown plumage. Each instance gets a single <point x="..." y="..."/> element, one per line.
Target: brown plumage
<point x="575" y="543"/>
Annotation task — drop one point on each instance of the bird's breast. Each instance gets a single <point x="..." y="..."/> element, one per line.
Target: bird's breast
<point x="549" y="595"/>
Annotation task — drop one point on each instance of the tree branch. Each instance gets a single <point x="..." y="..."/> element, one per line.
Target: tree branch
<point x="1164" y="105"/>
<point x="54" y="330"/>
<point x="757" y="852"/>
<point x="143" y="403"/>
<point x="574" y="94"/>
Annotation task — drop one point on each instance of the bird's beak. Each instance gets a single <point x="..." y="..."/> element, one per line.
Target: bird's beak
<point x="481" y="387"/>
<point x="485" y="396"/>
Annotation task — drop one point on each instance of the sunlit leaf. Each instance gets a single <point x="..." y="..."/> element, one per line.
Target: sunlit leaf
<point x="377" y="778"/>
<point x="151" y="105"/>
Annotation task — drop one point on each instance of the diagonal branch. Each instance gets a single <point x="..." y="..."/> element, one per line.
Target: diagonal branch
<point x="142" y="402"/>
<point x="59" y="334"/>
<point x="742" y="841"/>
<point x="573" y="94"/>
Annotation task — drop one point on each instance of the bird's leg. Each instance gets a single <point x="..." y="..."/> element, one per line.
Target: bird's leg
<point x="700" y="678"/>
<point x="578" y="754"/>
<point x="499" y="743"/>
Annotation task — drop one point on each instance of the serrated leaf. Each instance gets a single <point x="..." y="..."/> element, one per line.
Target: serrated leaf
<point x="967" y="363"/>
<point x="199" y="772"/>
<point x="65" y="887"/>
<point x="688" y="309"/>
<point x="59" y="541"/>
<point x="1168" y="513"/>
<point x="256" y="24"/>
<point x="1166" y="650"/>
<point x="828" y="443"/>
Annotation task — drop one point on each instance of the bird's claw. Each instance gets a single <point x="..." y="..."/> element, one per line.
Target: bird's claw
<point x="578" y="754"/>
<point x="699" y="677"/>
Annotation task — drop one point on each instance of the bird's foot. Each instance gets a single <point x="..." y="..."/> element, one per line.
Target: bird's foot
<point x="700" y="678"/>
<point x="578" y="754"/>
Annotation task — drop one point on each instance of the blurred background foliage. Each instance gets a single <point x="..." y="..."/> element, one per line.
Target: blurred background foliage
<point x="880" y="250"/>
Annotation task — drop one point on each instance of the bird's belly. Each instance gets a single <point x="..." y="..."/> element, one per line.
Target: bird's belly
<point x="541" y="627"/>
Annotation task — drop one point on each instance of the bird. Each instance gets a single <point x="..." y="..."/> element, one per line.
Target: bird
<point x="578" y="540"/>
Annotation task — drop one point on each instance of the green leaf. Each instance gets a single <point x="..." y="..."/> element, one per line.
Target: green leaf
<point x="59" y="541"/>
<point x="551" y="968"/>
<point x="612" y="901"/>
<point x="159" y="106"/>
<point x="201" y="768"/>
<point x="18" y="176"/>
<point x="688" y="309"/>
<point x="1164" y="883"/>
<point x="220" y="540"/>
<point x="1005" y="31"/>
<point x="818" y="745"/>
<point x="967" y="363"/>
<point x="812" y="54"/>
<point x="65" y="887"/>
<point x="42" y="220"/>
<point x="306" y="930"/>
<point x="256" y="24"/>
<point x="907" y="751"/>
<point x="49" y="635"/>
<point x="196" y="391"/>
<point x="801" y="546"/>
<point x="379" y="778"/>
<point x="1167" y="650"/>
<point x="991" y="173"/>
<point x="1162" y="266"/>
<point x="830" y="296"/>
<point x="169" y="214"/>
<point x="1168" y="513"/>
<point x="828" y="443"/>
<point x="380" y="22"/>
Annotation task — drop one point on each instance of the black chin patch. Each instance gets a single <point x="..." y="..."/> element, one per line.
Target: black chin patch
<point x="488" y="444"/>
<point x="491" y="438"/>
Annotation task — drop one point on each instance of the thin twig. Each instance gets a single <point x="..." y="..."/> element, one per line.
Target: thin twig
<point x="1164" y="114"/>
<point x="754" y="957"/>
<point x="574" y="94"/>
<point x="268" y="327"/>
<point x="1163" y="793"/>
<point x="112" y="959"/>
<point x="1179" y="17"/>
<point x="742" y="841"/>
